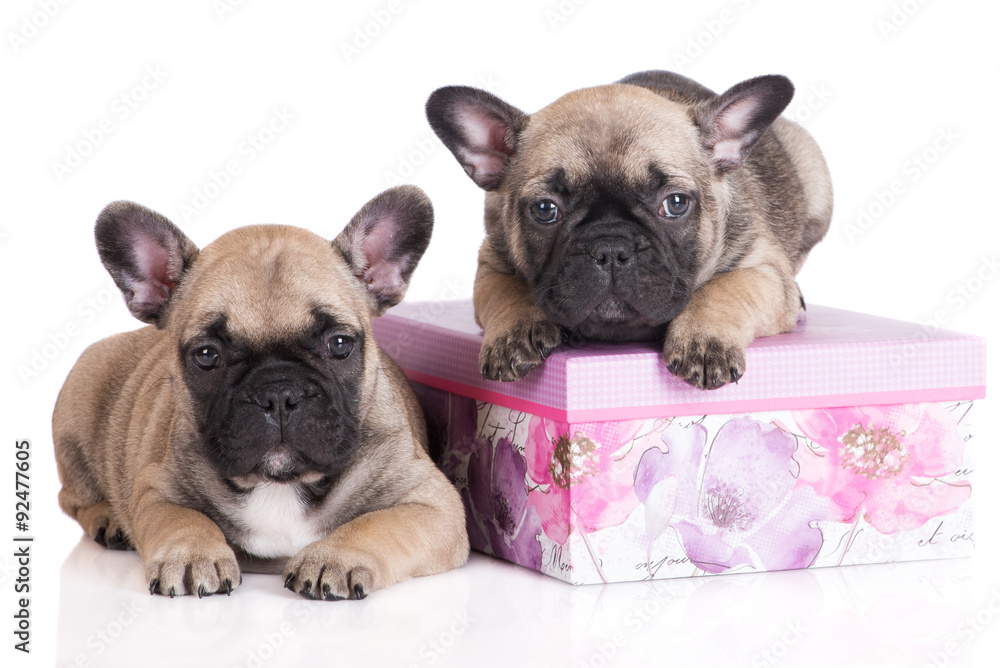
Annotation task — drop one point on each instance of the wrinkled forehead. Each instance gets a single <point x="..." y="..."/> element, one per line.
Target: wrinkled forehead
<point x="623" y="132"/>
<point x="269" y="284"/>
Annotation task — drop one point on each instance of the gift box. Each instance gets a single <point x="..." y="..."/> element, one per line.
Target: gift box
<point x="845" y="442"/>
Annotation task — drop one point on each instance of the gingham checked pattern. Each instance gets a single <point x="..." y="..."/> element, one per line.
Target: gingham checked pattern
<point x="832" y="354"/>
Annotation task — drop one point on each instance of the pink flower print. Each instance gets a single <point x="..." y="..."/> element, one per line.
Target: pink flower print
<point x="884" y="463"/>
<point x="583" y="473"/>
<point x="734" y="503"/>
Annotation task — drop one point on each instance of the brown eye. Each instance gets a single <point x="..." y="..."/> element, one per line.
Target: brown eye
<point x="545" y="211"/>
<point x="675" y="206"/>
<point x="339" y="346"/>
<point x="206" y="357"/>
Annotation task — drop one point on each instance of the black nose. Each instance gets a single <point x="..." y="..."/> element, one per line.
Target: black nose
<point x="611" y="252"/>
<point x="277" y="397"/>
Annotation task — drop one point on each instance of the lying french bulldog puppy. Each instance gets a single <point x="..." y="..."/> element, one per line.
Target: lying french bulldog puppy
<point x="648" y="209"/>
<point x="256" y="424"/>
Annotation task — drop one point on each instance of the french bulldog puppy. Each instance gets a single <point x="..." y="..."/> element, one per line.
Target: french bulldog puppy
<point x="255" y="424"/>
<point x="648" y="209"/>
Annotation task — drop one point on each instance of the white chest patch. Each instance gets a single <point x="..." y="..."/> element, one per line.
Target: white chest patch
<point x="276" y="522"/>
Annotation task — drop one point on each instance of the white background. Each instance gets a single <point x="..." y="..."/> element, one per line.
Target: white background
<point x="874" y="94"/>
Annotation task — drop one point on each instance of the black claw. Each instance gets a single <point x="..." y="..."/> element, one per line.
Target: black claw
<point x="229" y="586"/>
<point x="328" y="595"/>
<point x="735" y="375"/>
<point x="118" y="541"/>
<point x="101" y="537"/>
<point x="307" y="589"/>
<point x="672" y="367"/>
<point x="172" y="593"/>
<point x="154" y="584"/>
<point x="288" y="581"/>
<point x="201" y="591"/>
<point x="359" y="592"/>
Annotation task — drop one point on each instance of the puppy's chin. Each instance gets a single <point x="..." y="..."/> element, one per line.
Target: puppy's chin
<point x="258" y="477"/>
<point x="279" y="464"/>
<point x="596" y="329"/>
<point x="614" y="319"/>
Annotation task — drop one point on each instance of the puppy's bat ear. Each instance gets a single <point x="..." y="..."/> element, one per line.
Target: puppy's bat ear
<point x="146" y="256"/>
<point x="731" y="122"/>
<point x="384" y="241"/>
<point x="479" y="128"/>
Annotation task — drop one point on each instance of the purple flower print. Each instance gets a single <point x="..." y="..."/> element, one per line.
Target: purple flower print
<point x="499" y="519"/>
<point x="490" y="479"/>
<point x="735" y="503"/>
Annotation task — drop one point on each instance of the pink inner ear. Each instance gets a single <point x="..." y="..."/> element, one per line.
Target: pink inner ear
<point x="385" y="281"/>
<point x="732" y="134"/>
<point x="733" y="122"/>
<point x="728" y="153"/>
<point x="376" y="243"/>
<point x="158" y="272"/>
<point x="483" y="131"/>
<point x="382" y="276"/>
<point x="487" y="139"/>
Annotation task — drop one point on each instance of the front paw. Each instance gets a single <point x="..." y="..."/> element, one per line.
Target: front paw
<point x="509" y="353"/>
<point x="191" y="566"/>
<point x="105" y="529"/>
<point x="322" y="571"/>
<point x="706" y="362"/>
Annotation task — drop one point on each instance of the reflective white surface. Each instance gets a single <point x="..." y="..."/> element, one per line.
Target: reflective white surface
<point x="494" y="614"/>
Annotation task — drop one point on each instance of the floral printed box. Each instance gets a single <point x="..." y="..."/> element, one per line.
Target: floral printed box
<point x="844" y="443"/>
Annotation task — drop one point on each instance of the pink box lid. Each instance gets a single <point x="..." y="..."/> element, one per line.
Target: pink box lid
<point x="832" y="358"/>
